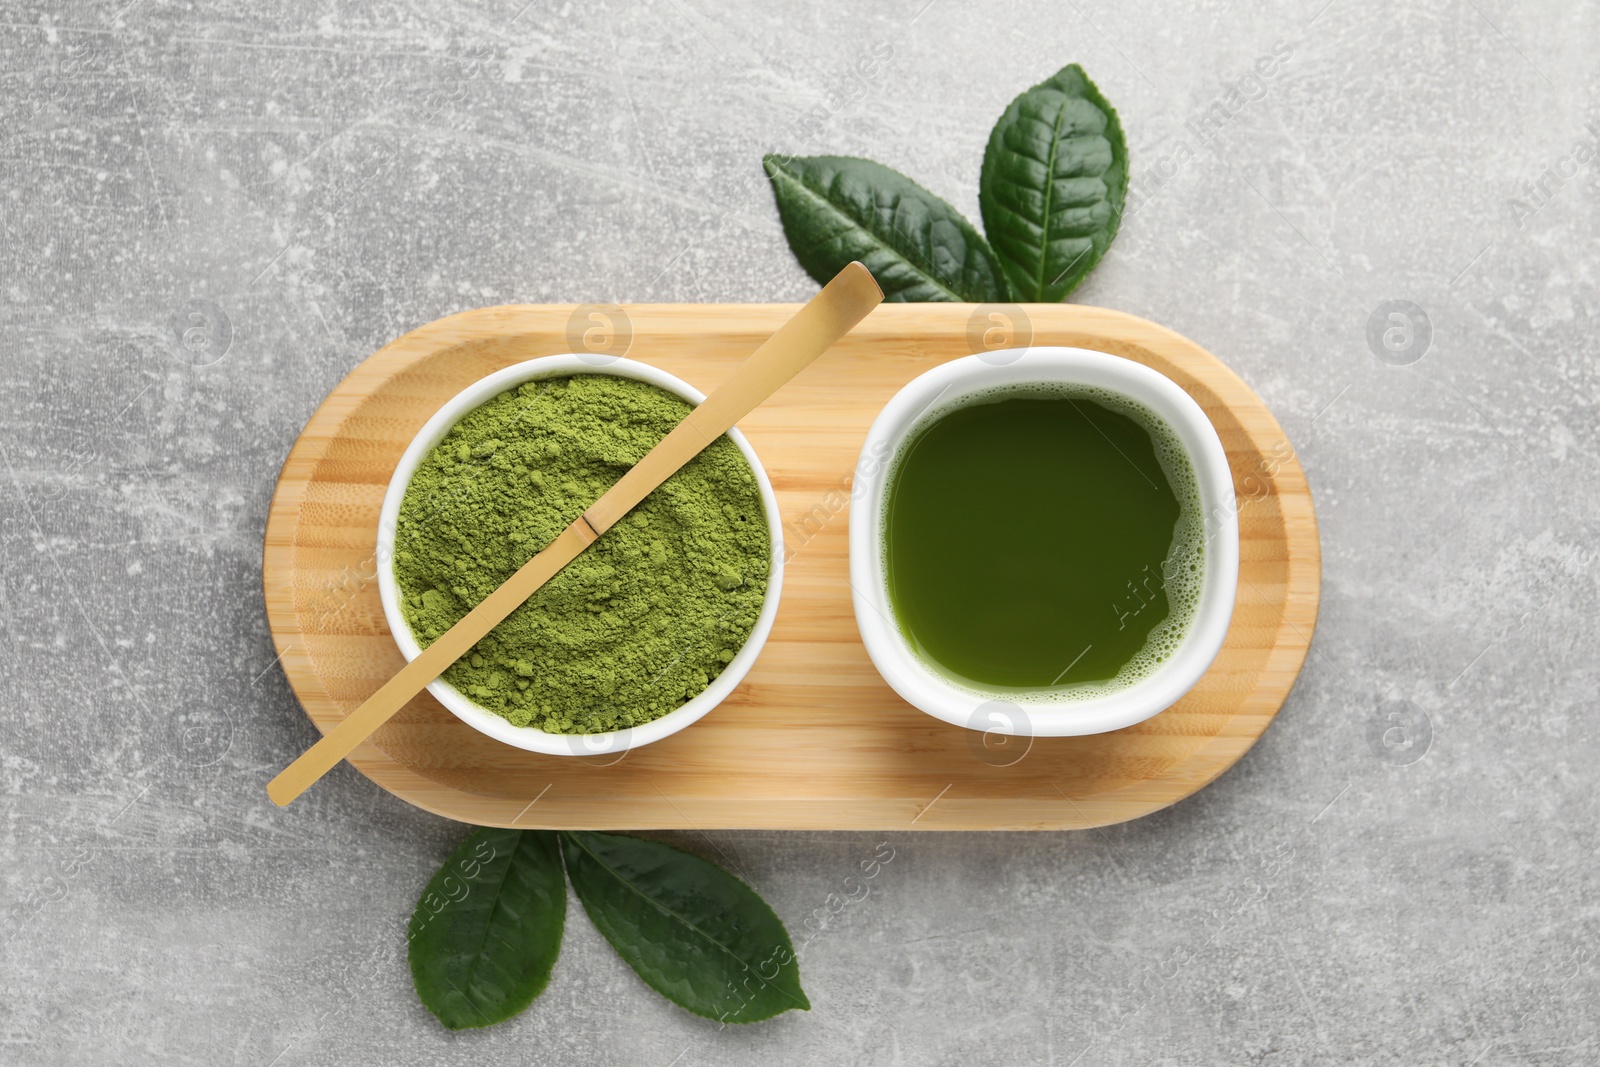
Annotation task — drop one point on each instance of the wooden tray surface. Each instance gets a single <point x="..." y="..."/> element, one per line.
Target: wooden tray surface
<point x="813" y="738"/>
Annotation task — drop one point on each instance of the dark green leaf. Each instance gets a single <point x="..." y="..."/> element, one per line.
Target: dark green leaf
<point x="699" y="936"/>
<point x="836" y="209"/>
<point x="488" y="927"/>
<point x="1055" y="177"/>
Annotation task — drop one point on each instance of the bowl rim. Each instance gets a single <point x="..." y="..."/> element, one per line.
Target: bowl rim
<point x="947" y="385"/>
<point x="531" y="738"/>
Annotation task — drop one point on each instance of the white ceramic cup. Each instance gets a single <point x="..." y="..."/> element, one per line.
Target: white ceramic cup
<point x="1040" y="714"/>
<point x="531" y="738"/>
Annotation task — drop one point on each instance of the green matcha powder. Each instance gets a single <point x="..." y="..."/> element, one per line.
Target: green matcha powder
<point x="644" y="618"/>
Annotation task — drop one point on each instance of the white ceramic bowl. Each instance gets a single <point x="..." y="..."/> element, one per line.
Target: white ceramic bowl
<point x="1041" y="715"/>
<point x="528" y="737"/>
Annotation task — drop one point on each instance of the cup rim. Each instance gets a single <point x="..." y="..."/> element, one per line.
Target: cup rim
<point x="531" y="738"/>
<point x="946" y="385"/>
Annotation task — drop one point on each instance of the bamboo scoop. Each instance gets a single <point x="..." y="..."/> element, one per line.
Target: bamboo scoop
<point x="828" y="316"/>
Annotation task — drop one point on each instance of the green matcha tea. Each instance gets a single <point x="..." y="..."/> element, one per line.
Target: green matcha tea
<point x="1043" y="541"/>
<point x="637" y="624"/>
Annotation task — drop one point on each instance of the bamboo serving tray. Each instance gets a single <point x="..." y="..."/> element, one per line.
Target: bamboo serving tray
<point x="813" y="738"/>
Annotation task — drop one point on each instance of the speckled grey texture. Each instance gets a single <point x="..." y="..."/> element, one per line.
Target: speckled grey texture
<point x="319" y="179"/>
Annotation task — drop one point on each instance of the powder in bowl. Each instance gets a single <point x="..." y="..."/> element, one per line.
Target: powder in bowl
<point x="636" y="625"/>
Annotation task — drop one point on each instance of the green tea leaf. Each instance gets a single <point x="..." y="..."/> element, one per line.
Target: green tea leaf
<point x="699" y="936"/>
<point x="836" y="209"/>
<point x="487" y="930"/>
<point x="1054" y="180"/>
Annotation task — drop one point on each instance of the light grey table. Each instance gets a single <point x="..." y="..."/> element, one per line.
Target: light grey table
<point x="314" y="180"/>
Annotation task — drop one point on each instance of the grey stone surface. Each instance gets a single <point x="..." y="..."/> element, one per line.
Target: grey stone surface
<point x="327" y="177"/>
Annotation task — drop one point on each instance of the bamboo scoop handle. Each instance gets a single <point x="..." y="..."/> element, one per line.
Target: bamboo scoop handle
<point x="828" y="316"/>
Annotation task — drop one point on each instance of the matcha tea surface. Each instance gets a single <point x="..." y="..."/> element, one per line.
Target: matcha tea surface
<point x="1031" y="542"/>
<point x="637" y="624"/>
